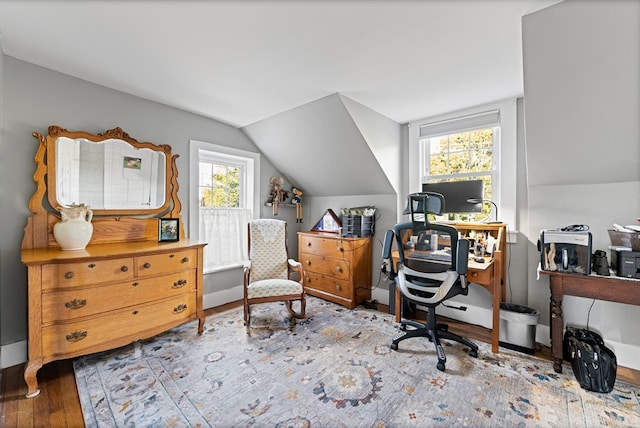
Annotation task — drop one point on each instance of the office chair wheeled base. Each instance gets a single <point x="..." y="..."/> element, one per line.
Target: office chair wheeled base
<point x="441" y="331"/>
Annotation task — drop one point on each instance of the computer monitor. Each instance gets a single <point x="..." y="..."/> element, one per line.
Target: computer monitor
<point x="456" y="194"/>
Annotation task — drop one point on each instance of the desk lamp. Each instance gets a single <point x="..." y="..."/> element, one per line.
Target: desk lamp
<point x="479" y="201"/>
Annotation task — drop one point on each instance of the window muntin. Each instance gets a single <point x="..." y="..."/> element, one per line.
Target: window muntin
<point x="466" y="155"/>
<point x="220" y="185"/>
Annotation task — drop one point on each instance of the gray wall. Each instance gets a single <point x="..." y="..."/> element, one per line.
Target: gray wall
<point x="582" y="104"/>
<point x="33" y="99"/>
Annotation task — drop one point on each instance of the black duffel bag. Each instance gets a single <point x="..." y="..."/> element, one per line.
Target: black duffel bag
<point x="593" y="364"/>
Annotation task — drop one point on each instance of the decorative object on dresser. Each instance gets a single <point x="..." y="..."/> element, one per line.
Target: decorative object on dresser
<point x="74" y="230"/>
<point x="125" y="285"/>
<point x="337" y="268"/>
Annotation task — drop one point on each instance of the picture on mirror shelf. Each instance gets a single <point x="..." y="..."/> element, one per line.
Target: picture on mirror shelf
<point x="169" y="229"/>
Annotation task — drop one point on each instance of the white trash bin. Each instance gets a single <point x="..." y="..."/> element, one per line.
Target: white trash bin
<point x="518" y="327"/>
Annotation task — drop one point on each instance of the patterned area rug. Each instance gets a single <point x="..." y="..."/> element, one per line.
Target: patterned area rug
<point x="334" y="369"/>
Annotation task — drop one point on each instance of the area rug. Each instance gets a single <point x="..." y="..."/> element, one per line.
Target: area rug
<point x="334" y="369"/>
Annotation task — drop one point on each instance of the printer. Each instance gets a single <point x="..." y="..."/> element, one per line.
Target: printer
<point x="566" y="251"/>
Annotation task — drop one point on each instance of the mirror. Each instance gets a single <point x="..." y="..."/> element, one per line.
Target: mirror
<point x="328" y="223"/>
<point x="111" y="172"/>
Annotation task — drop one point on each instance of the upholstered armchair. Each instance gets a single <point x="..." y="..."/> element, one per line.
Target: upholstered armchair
<point x="268" y="272"/>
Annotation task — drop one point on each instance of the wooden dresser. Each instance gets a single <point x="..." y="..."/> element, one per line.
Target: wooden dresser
<point x="336" y="269"/>
<point x="124" y="286"/>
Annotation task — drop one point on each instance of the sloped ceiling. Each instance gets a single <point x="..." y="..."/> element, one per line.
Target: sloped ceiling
<point x="320" y="148"/>
<point x="240" y="62"/>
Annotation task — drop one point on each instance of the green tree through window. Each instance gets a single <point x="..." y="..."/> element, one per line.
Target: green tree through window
<point x="462" y="156"/>
<point x="219" y="185"/>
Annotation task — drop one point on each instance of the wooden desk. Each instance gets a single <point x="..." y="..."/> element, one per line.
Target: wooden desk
<point x="609" y="288"/>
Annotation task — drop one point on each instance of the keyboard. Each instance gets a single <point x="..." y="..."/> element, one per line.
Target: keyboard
<point x="439" y="256"/>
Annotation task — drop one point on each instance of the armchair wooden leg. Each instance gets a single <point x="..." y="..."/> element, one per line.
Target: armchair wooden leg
<point x="298" y="315"/>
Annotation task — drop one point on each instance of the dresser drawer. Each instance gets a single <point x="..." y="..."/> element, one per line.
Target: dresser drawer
<point x="86" y="301"/>
<point x="124" y="326"/>
<point x="65" y="275"/>
<point x="337" y="268"/>
<point x="166" y="262"/>
<point x="329" y="247"/>
<point x="329" y="285"/>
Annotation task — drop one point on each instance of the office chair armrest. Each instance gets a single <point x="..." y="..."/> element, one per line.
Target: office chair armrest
<point x="447" y="280"/>
<point x="462" y="256"/>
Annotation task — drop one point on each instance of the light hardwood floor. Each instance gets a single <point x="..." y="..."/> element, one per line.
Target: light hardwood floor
<point x="58" y="404"/>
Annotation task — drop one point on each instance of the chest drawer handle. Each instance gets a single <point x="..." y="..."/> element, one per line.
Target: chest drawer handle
<point x="75" y="303"/>
<point x="92" y="265"/>
<point x="308" y="279"/>
<point x="124" y="269"/>
<point x="308" y="262"/>
<point x="146" y="265"/>
<point x="135" y="284"/>
<point x="134" y="312"/>
<point x="68" y="275"/>
<point x="185" y="260"/>
<point x="180" y="308"/>
<point x="180" y="283"/>
<point x="338" y="269"/>
<point x="340" y="249"/>
<point x="338" y="288"/>
<point x="308" y="244"/>
<point x="171" y="256"/>
<point x="76" y="336"/>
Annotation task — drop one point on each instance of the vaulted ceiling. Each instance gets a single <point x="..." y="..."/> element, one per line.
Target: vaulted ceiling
<point x="244" y="61"/>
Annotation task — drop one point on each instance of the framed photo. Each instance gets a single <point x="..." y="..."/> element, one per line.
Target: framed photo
<point x="169" y="229"/>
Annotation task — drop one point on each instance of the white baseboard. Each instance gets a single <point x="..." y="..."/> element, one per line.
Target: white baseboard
<point x="221" y="297"/>
<point x="13" y="354"/>
<point x="381" y="295"/>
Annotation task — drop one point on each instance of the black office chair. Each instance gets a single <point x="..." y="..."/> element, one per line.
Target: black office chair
<point x="424" y="274"/>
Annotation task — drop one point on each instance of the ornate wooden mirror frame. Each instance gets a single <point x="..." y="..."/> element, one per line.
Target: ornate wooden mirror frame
<point x="109" y="225"/>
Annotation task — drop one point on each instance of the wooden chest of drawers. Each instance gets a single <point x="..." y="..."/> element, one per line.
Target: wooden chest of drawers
<point x="107" y="296"/>
<point x="336" y="269"/>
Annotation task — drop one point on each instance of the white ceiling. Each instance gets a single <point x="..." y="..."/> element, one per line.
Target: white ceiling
<point x="243" y="61"/>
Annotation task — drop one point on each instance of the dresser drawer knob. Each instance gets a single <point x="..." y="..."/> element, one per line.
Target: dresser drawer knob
<point x="338" y="288"/>
<point x="135" y="284"/>
<point x="340" y="249"/>
<point x="146" y="265"/>
<point x="338" y="269"/>
<point x="185" y="260"/>
<point x="171" y="256"/>
<point x="76" y="336"/>
<point x="308" y="279"/>
<point x="68" y="275"/>
<point x="75" y="303"/>
<point x="180" y="308"/>
<point x="180" y="283"/>
<point x="307" y="262"/>
<point x="134" y="312"/>
<point x="124" y="269"/>
<point x="92" y="265"/>
<point x="308" y="244"/>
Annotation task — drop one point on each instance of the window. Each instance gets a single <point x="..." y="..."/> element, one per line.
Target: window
<point x="466" y="155"/>
<point x="222" y="202"/>
<point x="479" y="142"/>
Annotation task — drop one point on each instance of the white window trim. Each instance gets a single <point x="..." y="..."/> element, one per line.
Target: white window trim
<point x="250" y="160"/>
<point x="505" y="151"/>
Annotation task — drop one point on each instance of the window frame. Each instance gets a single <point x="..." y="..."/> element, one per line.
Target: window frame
<point x="505" y="150"/>
<point x="200" y="150"/>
